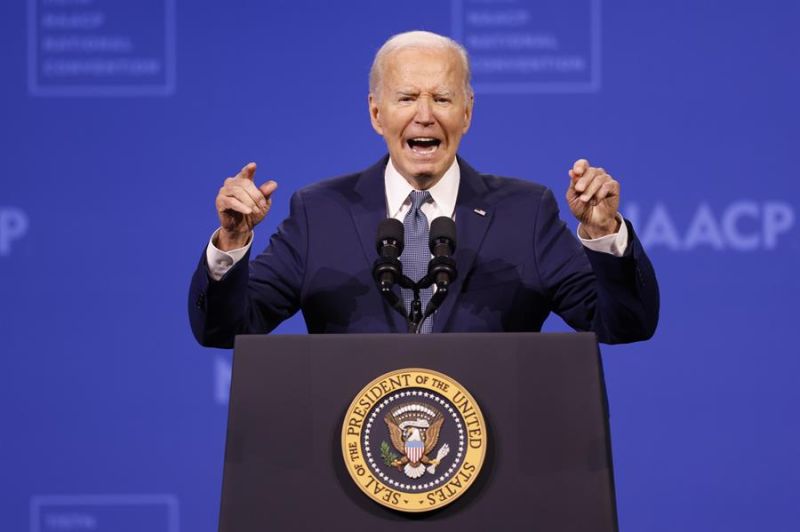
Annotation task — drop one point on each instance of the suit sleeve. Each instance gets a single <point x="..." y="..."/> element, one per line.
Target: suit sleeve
<point x="615" y="297"/>
<point x="253" y="297"/>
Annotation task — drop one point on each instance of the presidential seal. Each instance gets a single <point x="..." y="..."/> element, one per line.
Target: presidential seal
<point x="414" y="440"/>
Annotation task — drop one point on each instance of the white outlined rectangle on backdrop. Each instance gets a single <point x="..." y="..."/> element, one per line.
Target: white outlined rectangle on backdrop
<point x="517" y="13"/>
<point x="77" y="48"/>
<point x="50" y="513"/>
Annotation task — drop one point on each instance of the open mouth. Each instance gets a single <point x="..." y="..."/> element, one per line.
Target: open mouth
<point x="423" y="145"/>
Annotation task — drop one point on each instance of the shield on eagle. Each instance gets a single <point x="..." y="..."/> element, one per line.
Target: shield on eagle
<point x="414" y="450"/>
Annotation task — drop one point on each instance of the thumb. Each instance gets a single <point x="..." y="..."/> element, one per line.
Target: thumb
<point x="268" y="188"/>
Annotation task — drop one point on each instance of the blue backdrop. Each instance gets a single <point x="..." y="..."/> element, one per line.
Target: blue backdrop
<point x="119" y="119"/>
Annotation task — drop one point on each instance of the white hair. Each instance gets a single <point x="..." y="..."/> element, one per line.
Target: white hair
<point x="416" y="39"/>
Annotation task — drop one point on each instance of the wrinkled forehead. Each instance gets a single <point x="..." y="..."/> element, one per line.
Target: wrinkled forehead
<point x="430" y="67"/>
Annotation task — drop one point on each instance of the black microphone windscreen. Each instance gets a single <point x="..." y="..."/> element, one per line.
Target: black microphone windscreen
<point x="390" y="229"/>
<point x="443" y="227"/>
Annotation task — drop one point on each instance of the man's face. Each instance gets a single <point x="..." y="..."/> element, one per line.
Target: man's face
<point x="421" y="111"/>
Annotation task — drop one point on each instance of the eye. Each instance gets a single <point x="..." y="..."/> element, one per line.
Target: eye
<point x="405" y="98"/>
<point x="442" y="99"/>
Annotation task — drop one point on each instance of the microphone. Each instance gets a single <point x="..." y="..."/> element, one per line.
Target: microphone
<point x="442" y="267"/>
<point x="442" y="242"/>
<point x="387" y="269"/>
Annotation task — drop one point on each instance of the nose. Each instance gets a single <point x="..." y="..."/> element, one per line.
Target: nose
<point x="424" y="116"/>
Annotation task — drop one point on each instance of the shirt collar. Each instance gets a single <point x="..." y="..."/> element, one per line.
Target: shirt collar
<point x="443" y="193"/>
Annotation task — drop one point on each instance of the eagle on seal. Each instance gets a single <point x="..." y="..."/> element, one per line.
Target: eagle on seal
<point x="414" y="431"/>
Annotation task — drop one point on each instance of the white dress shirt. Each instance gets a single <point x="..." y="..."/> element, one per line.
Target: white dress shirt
<point x="443" y="194"/>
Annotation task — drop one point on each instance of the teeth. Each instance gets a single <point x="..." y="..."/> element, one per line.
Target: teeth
<point x="424" y="145"/>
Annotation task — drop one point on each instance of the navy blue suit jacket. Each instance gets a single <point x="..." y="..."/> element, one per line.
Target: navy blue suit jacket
<point x="517" y="263"/>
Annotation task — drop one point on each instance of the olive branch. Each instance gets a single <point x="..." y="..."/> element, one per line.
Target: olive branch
<point x="387" y="454"/>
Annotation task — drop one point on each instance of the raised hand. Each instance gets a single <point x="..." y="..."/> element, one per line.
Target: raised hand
<point x="241" y="205"/>
<point x="593" y="198"/>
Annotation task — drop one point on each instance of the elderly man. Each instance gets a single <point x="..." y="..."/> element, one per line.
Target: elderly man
<point x="516" y="259"/>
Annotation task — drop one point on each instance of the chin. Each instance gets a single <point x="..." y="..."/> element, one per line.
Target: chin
<point x="426" y="171"/>
<point x="422" y="171"/>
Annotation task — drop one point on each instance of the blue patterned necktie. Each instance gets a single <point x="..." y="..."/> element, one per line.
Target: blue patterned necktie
<point x="416" y="253"/>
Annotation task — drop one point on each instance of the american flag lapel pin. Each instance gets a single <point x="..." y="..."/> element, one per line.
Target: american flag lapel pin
<point x="480" y="211"/>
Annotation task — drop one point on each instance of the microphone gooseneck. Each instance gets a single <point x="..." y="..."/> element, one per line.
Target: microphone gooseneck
<point x="388" y="270"/>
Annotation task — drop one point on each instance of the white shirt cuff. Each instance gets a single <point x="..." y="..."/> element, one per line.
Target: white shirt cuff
<point x="219" y="262"/>
<point x="614" y="244"/>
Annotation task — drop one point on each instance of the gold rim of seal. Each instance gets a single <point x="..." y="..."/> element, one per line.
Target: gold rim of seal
<point x="474" y="452"/>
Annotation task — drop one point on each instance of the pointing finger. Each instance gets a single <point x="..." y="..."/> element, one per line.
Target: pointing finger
<point x="573" y="180"/>
<point x="247" y="171"/>
<point x="588" y="176"/>
<point x="580" y="166"/>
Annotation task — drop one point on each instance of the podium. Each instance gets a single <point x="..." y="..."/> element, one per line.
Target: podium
<point x="547" y="465"/>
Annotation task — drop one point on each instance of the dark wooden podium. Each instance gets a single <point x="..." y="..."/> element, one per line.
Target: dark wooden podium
<point x="548" y="464"/>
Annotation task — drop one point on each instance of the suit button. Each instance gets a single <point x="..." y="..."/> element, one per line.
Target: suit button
<point x="201" y="301"/>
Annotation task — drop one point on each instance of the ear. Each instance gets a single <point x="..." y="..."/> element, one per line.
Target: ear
<point x="374" y="114"/>
<point x="468" y="112"/>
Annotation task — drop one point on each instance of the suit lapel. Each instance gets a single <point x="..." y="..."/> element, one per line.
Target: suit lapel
<point x="368" y="210"/>
<point x="370" y="207"/>
<point x="473" y="216"/>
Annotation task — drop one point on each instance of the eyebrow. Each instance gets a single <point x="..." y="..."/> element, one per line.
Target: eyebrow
<point x="415" y="92"/>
